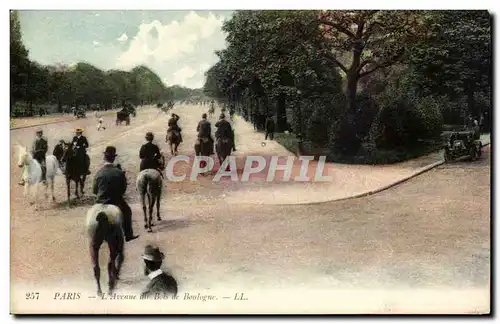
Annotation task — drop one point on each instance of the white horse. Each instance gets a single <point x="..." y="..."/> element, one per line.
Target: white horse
<point x="32" y="173"/>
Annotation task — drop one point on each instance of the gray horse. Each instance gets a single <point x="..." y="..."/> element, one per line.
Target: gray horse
<point x="104" y="223"/>
<point x="149" y="183"/>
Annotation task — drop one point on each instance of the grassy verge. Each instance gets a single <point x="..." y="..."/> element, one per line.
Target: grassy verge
<point x="378" y="156"/>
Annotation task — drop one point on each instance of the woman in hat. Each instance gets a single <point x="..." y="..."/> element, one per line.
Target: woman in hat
<point x="80" y="145"/>
<point x="161" y="282"/>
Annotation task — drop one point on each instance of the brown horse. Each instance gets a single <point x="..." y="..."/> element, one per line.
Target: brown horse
<point x="223" y="147"/>
<point x="203" y="147"/>
<point x="75" y="169"/>
<point x="174" y="139"/>
<point x="104" y="224"/>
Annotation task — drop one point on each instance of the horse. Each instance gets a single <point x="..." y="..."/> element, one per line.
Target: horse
<point x="211" y="111"/>
<point x="150" y="183"/>
<point x="104" y="223"/>
<point x="203" y="147"/>
<point x="223" y="147"/>
<point x="74" y="169"/>
<point x="174" y="139"/>
<point x="32" y="173"/>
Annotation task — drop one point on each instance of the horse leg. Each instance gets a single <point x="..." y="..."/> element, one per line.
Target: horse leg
<point x="112" y="270"/>
<point x="150" y="212"/>
<point x="52" y="189"/>
<point x="76" y="188"/>
<point x="158" y="199"/>
<point x="143" y="202"/>
<point x="171" y="148"/>
<point x="82" y="183"/>
<point x="94" y="255"/>
<point x="68" y="187"/>
<point x="121" y="257"/>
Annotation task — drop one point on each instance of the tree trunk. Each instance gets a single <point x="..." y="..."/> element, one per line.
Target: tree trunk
<point x="281" y="114"/>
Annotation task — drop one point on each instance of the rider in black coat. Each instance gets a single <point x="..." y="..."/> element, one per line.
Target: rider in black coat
<point x="224" y="130"/>
<point x="80" y="145"/>
<point x="173" y="126"/>
<point x="110" y="185"/>
<point x="204" y="130"/>
<point x="149" y="153"/>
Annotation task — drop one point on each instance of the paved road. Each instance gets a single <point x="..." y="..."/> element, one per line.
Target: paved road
<point x="431" y="232"/>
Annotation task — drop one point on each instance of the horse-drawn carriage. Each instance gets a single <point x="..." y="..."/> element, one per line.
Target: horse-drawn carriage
<point x="123" y="116"/>
<point x="462" y="143"/>
<point x="80" y="113"/>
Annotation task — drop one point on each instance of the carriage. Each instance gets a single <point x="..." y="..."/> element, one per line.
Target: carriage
<point x="123" y="116"/>
<point x="80" y="114"/>
<point x="463" y="143"/>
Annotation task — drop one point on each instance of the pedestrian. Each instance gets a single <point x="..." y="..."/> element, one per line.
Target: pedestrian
<point x="160" y="281"/>
<point x="270" y="128"/>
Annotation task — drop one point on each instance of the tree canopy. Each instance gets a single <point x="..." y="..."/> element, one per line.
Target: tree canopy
<point x="361" y="78"/>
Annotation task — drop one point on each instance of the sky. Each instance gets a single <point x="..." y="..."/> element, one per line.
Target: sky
<point x="178" y="45"/>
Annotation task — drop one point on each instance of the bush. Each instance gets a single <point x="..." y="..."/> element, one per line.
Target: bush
<point x="288" y="141"/>
<point x="405" y="119"/>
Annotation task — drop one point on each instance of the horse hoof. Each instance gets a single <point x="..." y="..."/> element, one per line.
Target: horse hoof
<point x="150" y="230"/>
<point x="146" y="226"/>
<point x="158" y="219"/>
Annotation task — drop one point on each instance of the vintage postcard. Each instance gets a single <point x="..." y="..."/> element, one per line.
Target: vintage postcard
<point x="250" y="162"/>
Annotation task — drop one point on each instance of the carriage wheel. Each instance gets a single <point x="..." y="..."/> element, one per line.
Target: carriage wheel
<point x="473" y="153"/>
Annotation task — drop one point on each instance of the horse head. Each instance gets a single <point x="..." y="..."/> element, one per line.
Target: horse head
<point x="23" y="157"/>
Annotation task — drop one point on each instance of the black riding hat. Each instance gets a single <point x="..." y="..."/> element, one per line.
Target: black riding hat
<point x="152" y="254"/>
<point x="204" y="116"/>
<point x="149" y="135"/>
<point x="110" y="151"/>
<point x="222" y="116"/>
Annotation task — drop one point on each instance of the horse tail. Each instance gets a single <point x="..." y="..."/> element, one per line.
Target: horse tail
<point x="102" y="222"/>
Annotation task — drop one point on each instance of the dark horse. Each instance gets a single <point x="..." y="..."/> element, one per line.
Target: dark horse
<point x="174" y="139"/>
<point x="150" y="183"/>
<point x="223" y="147"/>
<point x="203" y="147"/>
<point x="74" y="169"/>
<point x="104" y="224"/>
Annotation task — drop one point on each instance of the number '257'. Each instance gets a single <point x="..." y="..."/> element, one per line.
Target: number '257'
<point x="31" y="296"/>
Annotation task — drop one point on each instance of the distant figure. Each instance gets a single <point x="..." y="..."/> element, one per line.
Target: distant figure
<point x="161" y="282"/>
<point x="270" y="128"/>
<point x="100" y="124"/>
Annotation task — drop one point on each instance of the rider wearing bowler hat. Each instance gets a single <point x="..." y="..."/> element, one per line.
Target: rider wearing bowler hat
<point x="110" y="185"/>
<point x="161" y="282"/>
<point x="149" y="153"/>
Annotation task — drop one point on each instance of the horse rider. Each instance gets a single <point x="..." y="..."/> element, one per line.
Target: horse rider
<point x="149" y="154"/>
<point x="224" y="130"/>
<point x="160" y="281"/>
<point x="80" y="145"/>
<point x="110" y="185"/>
<point x="59" y="150"/>
<point x="204" y="130"/>
<point x="38" y="151"/>
<point x="173" y="126"/>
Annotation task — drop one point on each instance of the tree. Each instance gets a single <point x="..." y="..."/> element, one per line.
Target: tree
<point x="19" y="62"/>
<point x="456" y="61"/>
<point x="374" y="39"/>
